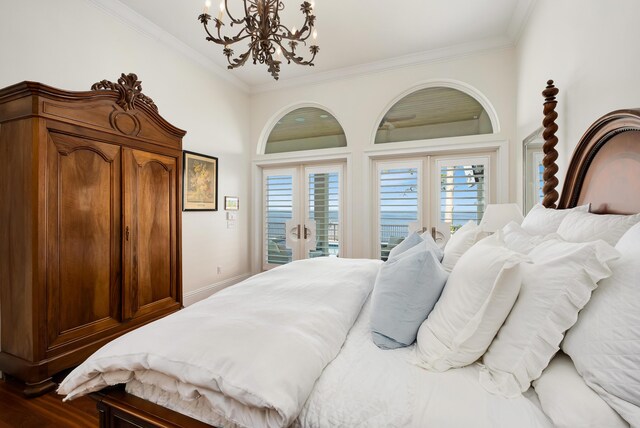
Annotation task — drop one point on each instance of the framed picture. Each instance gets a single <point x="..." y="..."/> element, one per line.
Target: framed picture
<point x="231" y="203"/>
<point x="199" y="182"/>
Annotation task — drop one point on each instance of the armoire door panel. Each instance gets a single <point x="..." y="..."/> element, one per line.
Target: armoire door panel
<point x="150" y="232"/>
<point x="83" y="239"/>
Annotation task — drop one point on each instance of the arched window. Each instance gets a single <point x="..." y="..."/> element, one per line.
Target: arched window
<point x="435" y="112"/>
<point x="305" y="128"/>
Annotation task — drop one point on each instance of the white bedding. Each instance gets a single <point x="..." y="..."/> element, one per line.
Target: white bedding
<point x="368" y="387"/>
<point x="254" y="350"/>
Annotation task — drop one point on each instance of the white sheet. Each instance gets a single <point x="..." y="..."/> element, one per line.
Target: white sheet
<point x="253" y="350"/>
<point x="368" y="387"/>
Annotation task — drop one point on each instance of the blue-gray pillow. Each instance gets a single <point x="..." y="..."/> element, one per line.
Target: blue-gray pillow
<point x="408" y="242"/>
<point x="406" y="290"/>
<point x="432" y="246"/>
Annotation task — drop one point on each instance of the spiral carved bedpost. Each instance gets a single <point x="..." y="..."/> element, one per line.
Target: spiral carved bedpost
<point x="549" y="147"/>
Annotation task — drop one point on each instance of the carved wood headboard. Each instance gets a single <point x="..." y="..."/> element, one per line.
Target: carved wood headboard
<point x="605" y="167"/>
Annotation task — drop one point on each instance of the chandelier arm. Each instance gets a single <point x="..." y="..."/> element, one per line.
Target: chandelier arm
<point x="291" y="56"/>
<point x="225" y="40"/>
<point x="306" y="27"/>
<point x="300" y="61"/>
<point x="238" y="61"/>
<point x="235" y="21"/>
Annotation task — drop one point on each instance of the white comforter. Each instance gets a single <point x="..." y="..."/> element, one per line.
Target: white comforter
<point x="251" y="352"/>
<point x="366" y="387"/>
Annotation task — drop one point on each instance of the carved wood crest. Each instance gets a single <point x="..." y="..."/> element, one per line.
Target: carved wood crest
<point x="130" y="90"/>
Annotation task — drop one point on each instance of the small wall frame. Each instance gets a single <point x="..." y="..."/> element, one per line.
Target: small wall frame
<point x="231" y="203"/>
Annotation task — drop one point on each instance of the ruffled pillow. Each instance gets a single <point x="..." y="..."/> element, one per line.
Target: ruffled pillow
<point x="554" y="289"/>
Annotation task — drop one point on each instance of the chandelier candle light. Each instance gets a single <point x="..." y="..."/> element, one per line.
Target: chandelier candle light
<point x="267" y="39"/>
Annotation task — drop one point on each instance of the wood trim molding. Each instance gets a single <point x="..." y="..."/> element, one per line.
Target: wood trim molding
<point x="600" y="133"/>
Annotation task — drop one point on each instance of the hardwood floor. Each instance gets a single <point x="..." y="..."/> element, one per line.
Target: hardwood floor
<point x="46" y="411"/>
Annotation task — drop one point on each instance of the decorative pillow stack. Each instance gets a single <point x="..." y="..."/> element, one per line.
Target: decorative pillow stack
<point x="406" y="290"/>
<point x="463" y="239"/>
<point x="605" y="342"/>
<point x="543" y="221"/>
<point x="478" y="297"/>
<point x="569" y="402"/>
<point x="554" y="289"/>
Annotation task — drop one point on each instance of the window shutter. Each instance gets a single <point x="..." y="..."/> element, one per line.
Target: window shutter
<point x="463" y="193"/>
<point x="324" y="205"/>
<point x="398" y="205"/>
<point x="278" y="191"/>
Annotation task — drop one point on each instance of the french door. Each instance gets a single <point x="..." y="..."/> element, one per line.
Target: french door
<point x="302" y="213"/>
<point x="437" y="194"/>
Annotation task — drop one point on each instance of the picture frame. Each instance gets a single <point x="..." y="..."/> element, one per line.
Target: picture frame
<point x="199" y="182"/>
<point x="231" y="203"/>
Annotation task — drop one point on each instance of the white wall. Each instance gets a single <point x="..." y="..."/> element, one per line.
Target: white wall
<point x="72" y="43"/>
<point x="590" y="50"/>
<point x="358" y="103"/>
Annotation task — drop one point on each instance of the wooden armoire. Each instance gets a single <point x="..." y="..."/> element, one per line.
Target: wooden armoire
<point x="90" y="191"/>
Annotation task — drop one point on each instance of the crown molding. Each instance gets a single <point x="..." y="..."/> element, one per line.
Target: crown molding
<point x="389" y="64"/>
<point x="519" y="19"/>
<point x="144" y="26"/>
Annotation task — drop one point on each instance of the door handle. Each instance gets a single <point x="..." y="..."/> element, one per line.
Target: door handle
<point x="298" y="233"/>
<point x="126" y="233"/>
<point x="434" y="233"/>
<point x="306" y="232"/>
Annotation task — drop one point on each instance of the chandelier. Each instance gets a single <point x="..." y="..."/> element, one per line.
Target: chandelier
<point x="268" y="41"/>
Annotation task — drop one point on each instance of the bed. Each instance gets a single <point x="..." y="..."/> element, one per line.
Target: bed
<point x="355" y="383"/>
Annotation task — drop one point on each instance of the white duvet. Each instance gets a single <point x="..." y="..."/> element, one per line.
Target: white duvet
<point x="250" y="354"/>
<point x="366" y="387"/>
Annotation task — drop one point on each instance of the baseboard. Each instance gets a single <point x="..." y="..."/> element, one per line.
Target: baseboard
<point x="202" y="293"/>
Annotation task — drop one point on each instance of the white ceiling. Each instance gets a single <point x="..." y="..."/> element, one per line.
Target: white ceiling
<point x="353" y="34"/>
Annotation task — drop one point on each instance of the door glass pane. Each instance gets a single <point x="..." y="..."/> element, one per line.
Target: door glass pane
<point x="462" y="194"/>
<point x="398" y="196"/>
<point x="278" y="210"/>
<point x="324" y="209"/>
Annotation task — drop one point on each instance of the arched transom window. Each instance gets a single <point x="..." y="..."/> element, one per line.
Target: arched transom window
<point x="306" y="128"/>
<point x="436" y="112"/>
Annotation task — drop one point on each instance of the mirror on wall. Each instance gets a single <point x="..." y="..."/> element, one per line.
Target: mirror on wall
<point x="533" y="168"/>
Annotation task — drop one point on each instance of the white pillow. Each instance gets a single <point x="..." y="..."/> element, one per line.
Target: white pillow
<point x="518" y="239"/>
<point x="460" y="242"/>
<point x="583" y="227"/>
<point x="554" y="289"/>
<point x="543" y="221"/>
<point x="605" y="342"/>
<point x="569" y="402"/>
<point x="475" y="302"/>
